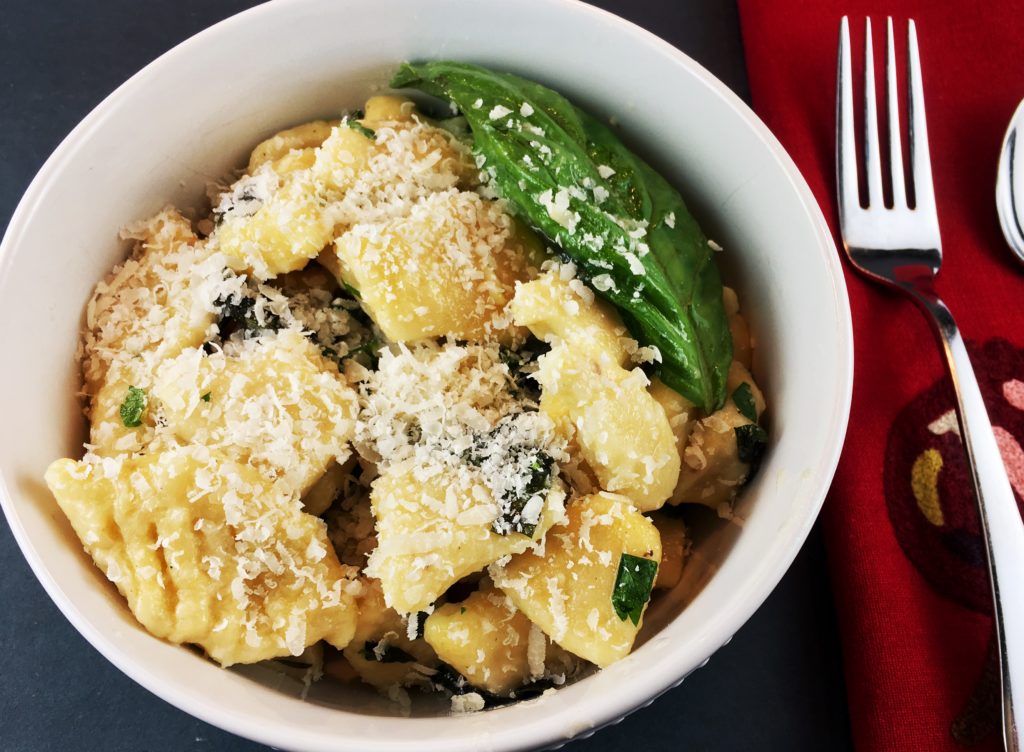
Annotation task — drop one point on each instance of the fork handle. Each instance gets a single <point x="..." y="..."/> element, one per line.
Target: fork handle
<point x="1001" y="525"/>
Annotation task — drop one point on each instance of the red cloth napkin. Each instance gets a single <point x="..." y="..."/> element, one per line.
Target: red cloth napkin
<point x="900" y="524"/>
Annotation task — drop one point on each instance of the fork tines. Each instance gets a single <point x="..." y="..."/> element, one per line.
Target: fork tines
<point x="846" y="159"/>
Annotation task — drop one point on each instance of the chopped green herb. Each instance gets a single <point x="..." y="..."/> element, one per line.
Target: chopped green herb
<point x="360" y="128"/>
<point x="751" y="442"/>
<point x="522" y="383"/>
<point x="387" y="654"/>
<point x="448" y="679"/>
<point x="744" y="399"/>
<point x="351" y="290"/>
<point x="369" y="350"/>
<point x="133" y="406"/>
<point x="538" y="466"/>
<point x="462" y="610"/>
<point x="329" y="352"/>
<point x="633" y="585"/>
<point x="205" y="397"/>
<point x="238" y="313"/>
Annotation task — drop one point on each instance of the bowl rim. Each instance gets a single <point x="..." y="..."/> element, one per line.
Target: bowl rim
<point x="662" y="677"/>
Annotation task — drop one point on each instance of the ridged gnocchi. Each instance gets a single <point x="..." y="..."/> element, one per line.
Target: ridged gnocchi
<point x="207" y="552"/>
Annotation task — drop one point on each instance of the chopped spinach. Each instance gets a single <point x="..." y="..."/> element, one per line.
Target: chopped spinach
<point x="537" y="472"/>
<point x="448" y="679"/>
<point x="633" y="584"/>
<point x="360" y="128"/>
<point x="369" y="352"/>
<point x="133" y="406"/>
<point x="523" y="384"/>
<point x="205" y="397"/>
<point x="744" y="399"/>
<point x="751" y="442"/>
<point x="237" y="314"/>
<point x="513" y="504"/>
<point x="388" y="654"/>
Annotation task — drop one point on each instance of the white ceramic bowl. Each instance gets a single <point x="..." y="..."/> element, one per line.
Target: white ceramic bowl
<point x="192" y="116"/>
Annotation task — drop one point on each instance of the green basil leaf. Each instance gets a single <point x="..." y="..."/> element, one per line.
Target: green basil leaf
<point x="744" y="399"/>
<point x="133" y="407"/>
<point x="628" y="231"/>
<point x="633" y="584"/>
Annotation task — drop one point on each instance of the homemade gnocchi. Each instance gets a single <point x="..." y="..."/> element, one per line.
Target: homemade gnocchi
<point x="361" y="404"/>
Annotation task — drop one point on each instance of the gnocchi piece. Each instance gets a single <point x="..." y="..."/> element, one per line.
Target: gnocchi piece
<point x="350" y="177"/>
<point x="155" y="304"/>
<point x="302" y="139"/>
<point x="276" y="403"/>
<point x="681" y="413"/>
<point x="380" y="651"/>
<point x="282" y="235"/>
<point x="449" y="268"/>
<point x="342" y="158"/>
<point x="488" y="641"/>
<point x="207" y="552"/>
<point x="108" y="434"/>
<point x="387" y="108"/>
<point x="674" y="548"/>
<point x="566" y="590"/>
<point x="434" y="527"/>
<point x="560" y="309"/>
<point x="742" y="343"/>
<point x="712" y="471"/>
<point x="620" y="430"/>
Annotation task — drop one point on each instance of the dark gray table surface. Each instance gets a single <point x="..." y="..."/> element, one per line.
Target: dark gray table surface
<point x="777" y="686"/>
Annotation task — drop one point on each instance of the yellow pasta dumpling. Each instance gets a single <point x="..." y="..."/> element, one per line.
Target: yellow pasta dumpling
<point x="282" y="150"/>
<point x="448" y="268"/>
<point x="712" y="471"/>
<point x="155" y="304"/>
<point x="380" y="651"/>
<point x="559" y="308"/>
<point x="207" y="552"/>
<point x="434" y="527"/>
<point x="275" y="402"/>
<point x="567" y="588"/>
<point x="620" y="430"/>
<point x="682" y="414"/>
<point x="742" y="343"/>
<point x="674" y="549"/>
<point x="387" y="108"/>
<point x="487" y="640"/>
<point x="282" y="235"/>
<point x="355" y="174"/>
<point x="108" y="433"/>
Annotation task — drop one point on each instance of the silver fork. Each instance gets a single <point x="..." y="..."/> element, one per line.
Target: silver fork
<point x="900" y="247"/>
